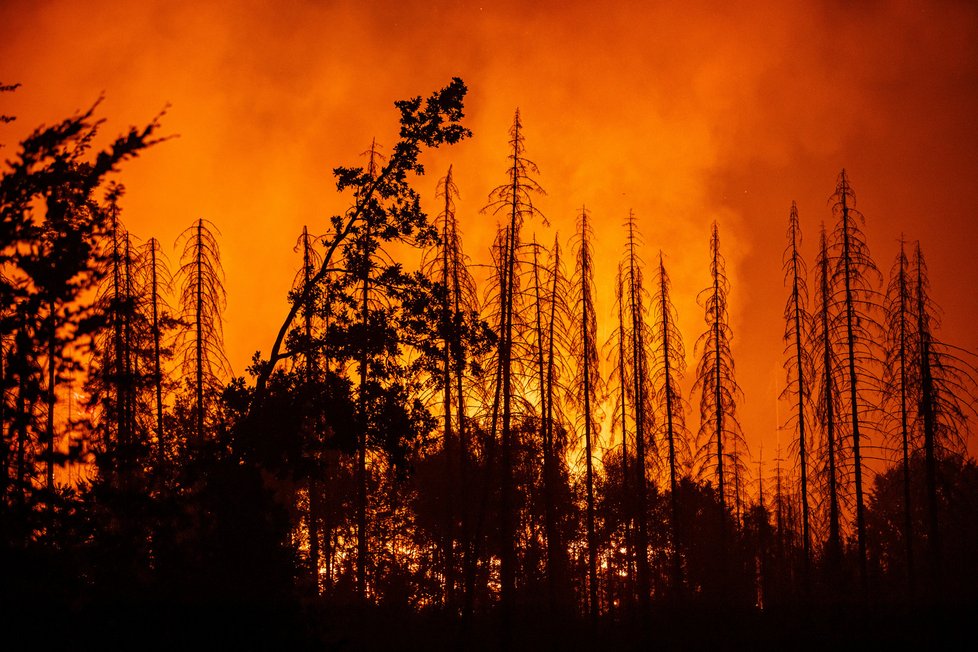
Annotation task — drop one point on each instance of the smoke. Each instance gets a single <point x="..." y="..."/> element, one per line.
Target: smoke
<point x="684" y="112"/>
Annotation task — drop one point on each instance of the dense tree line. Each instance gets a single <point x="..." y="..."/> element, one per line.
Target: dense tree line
<point x="415" y="443"/>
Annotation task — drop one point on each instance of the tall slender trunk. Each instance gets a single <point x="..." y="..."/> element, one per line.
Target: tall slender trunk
<point x="717" y="396"/>
<point x="508" y="527"/>
<point x="927" y="413"/>
<point x="677" y="567"/>
<point x="622" y="392"/>
<point x="905" y="421"/>
<point x="796" y="315"/>
<point x="555" y="550"/>
<point x="546" y="398"/>
<point x="310" y="374"/>
<point x="639" y="381"/>
<point x="199" y="325"/>
<point x="448" y="318"/>
<point x="361" y="472"/>
<point x="835" y="535"/>
<point x="850" y="308"/>
<point x="587" y="340"/>
<point x="157" y="361"/>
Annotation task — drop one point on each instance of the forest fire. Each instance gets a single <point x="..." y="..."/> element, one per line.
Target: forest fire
<point x="511" y="385"/>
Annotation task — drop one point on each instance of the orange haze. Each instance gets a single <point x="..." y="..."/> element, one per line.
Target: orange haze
<point x="686" y="112"/>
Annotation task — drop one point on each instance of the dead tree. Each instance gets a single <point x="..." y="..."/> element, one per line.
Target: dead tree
<point x="668" y="366"/>
<point x="799" y="370"/>
<point x="587" y="386"/>
<point x="855" y="300"/>
<point x="900" y="384"/>
<point x="202" y="302"/>
<point x="513" y="202"/>
<point x="721" y="440"/>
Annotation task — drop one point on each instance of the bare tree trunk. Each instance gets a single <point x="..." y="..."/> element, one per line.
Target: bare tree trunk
<point x="927" y="413"/>
<point x="157" y="361"/>
<point x="850" y="309"/>
<point x="639" y="381"/>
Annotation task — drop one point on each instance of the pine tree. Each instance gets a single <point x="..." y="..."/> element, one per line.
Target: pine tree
<point x="640" y="340"/>
<point x="52" y="225"/>
<point x="513" y="201"/>
<point x="157" y="284"/>
<point x="668" y="366"/>
<point x="854" y="279"/>
<point x="900" y="383"/>
<point x="202" y="302"/>
<point x="827" y="406"/>
<point x="799" y="368"/>
<point x="462" y="337"/>
<point x="115" y="381"/>
<point x="947" y="384"/>
<point x="588" y="386"/>
<point x="722" y="441"/>
<point x="550" y="293"/>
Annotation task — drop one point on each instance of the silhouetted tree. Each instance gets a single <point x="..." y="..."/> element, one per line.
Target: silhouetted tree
<point x="52" y="225"/>
<point x="202" y="301"/>
<point x="587" y="386"/>
<point x="462" y="337"/>
<point x="946" y="398"/>
<point x="551" y="292"/>
<point x="668" y="366"/>
<point x="513" y="201"/>
<point x="157" y="284"/>
<point x="640" y="339"/>
<point x="115" y="374"/>
<point x="721" y="439"/>
<point x="854" y="279"/>
<point x="833" y="481"/>
<point x="899" y="384"/>
<point x="799" y="368"/>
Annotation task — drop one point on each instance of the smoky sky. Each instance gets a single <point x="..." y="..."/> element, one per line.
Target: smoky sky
<point x="686" y="113"/>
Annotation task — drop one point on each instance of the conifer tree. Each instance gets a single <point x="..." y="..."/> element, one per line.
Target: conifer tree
<point x="722" y="442"/>
<point x="855" y="300"/>
<point x="834" y="482"/>
<point x="900" y="385"/>
<point x="52" y="225"/>
<point x="946" y="399"/>
<point x="550" y="293"/>
<point x="799" y="369"/>
<point x="114" y="384"/>
<point x="157" y="285"/>
<point x="668" y="366"/>
<point x="513" y="202"/>
<point x="588" y="386"/>
<point x="462" y="338"/>
<point x="202" y="302"/>
<point x="640" y="339"/>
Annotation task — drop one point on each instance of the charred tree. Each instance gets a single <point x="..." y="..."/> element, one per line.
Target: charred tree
<point x="799" y="370"/>
<point x="900" y="384"/>
<point x="668" y="369"/>
<point x="636" y="301"/>
<point x="513" y="201"/>
<point x="827" y="406"/>
<point x="721" y="439"/>
<point x="587" y="388"/>
<point x="854" y="306"/>
<point x="202" y="302"/>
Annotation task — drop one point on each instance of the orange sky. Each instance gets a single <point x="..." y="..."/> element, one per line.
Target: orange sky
<point x="685" y="112"/>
